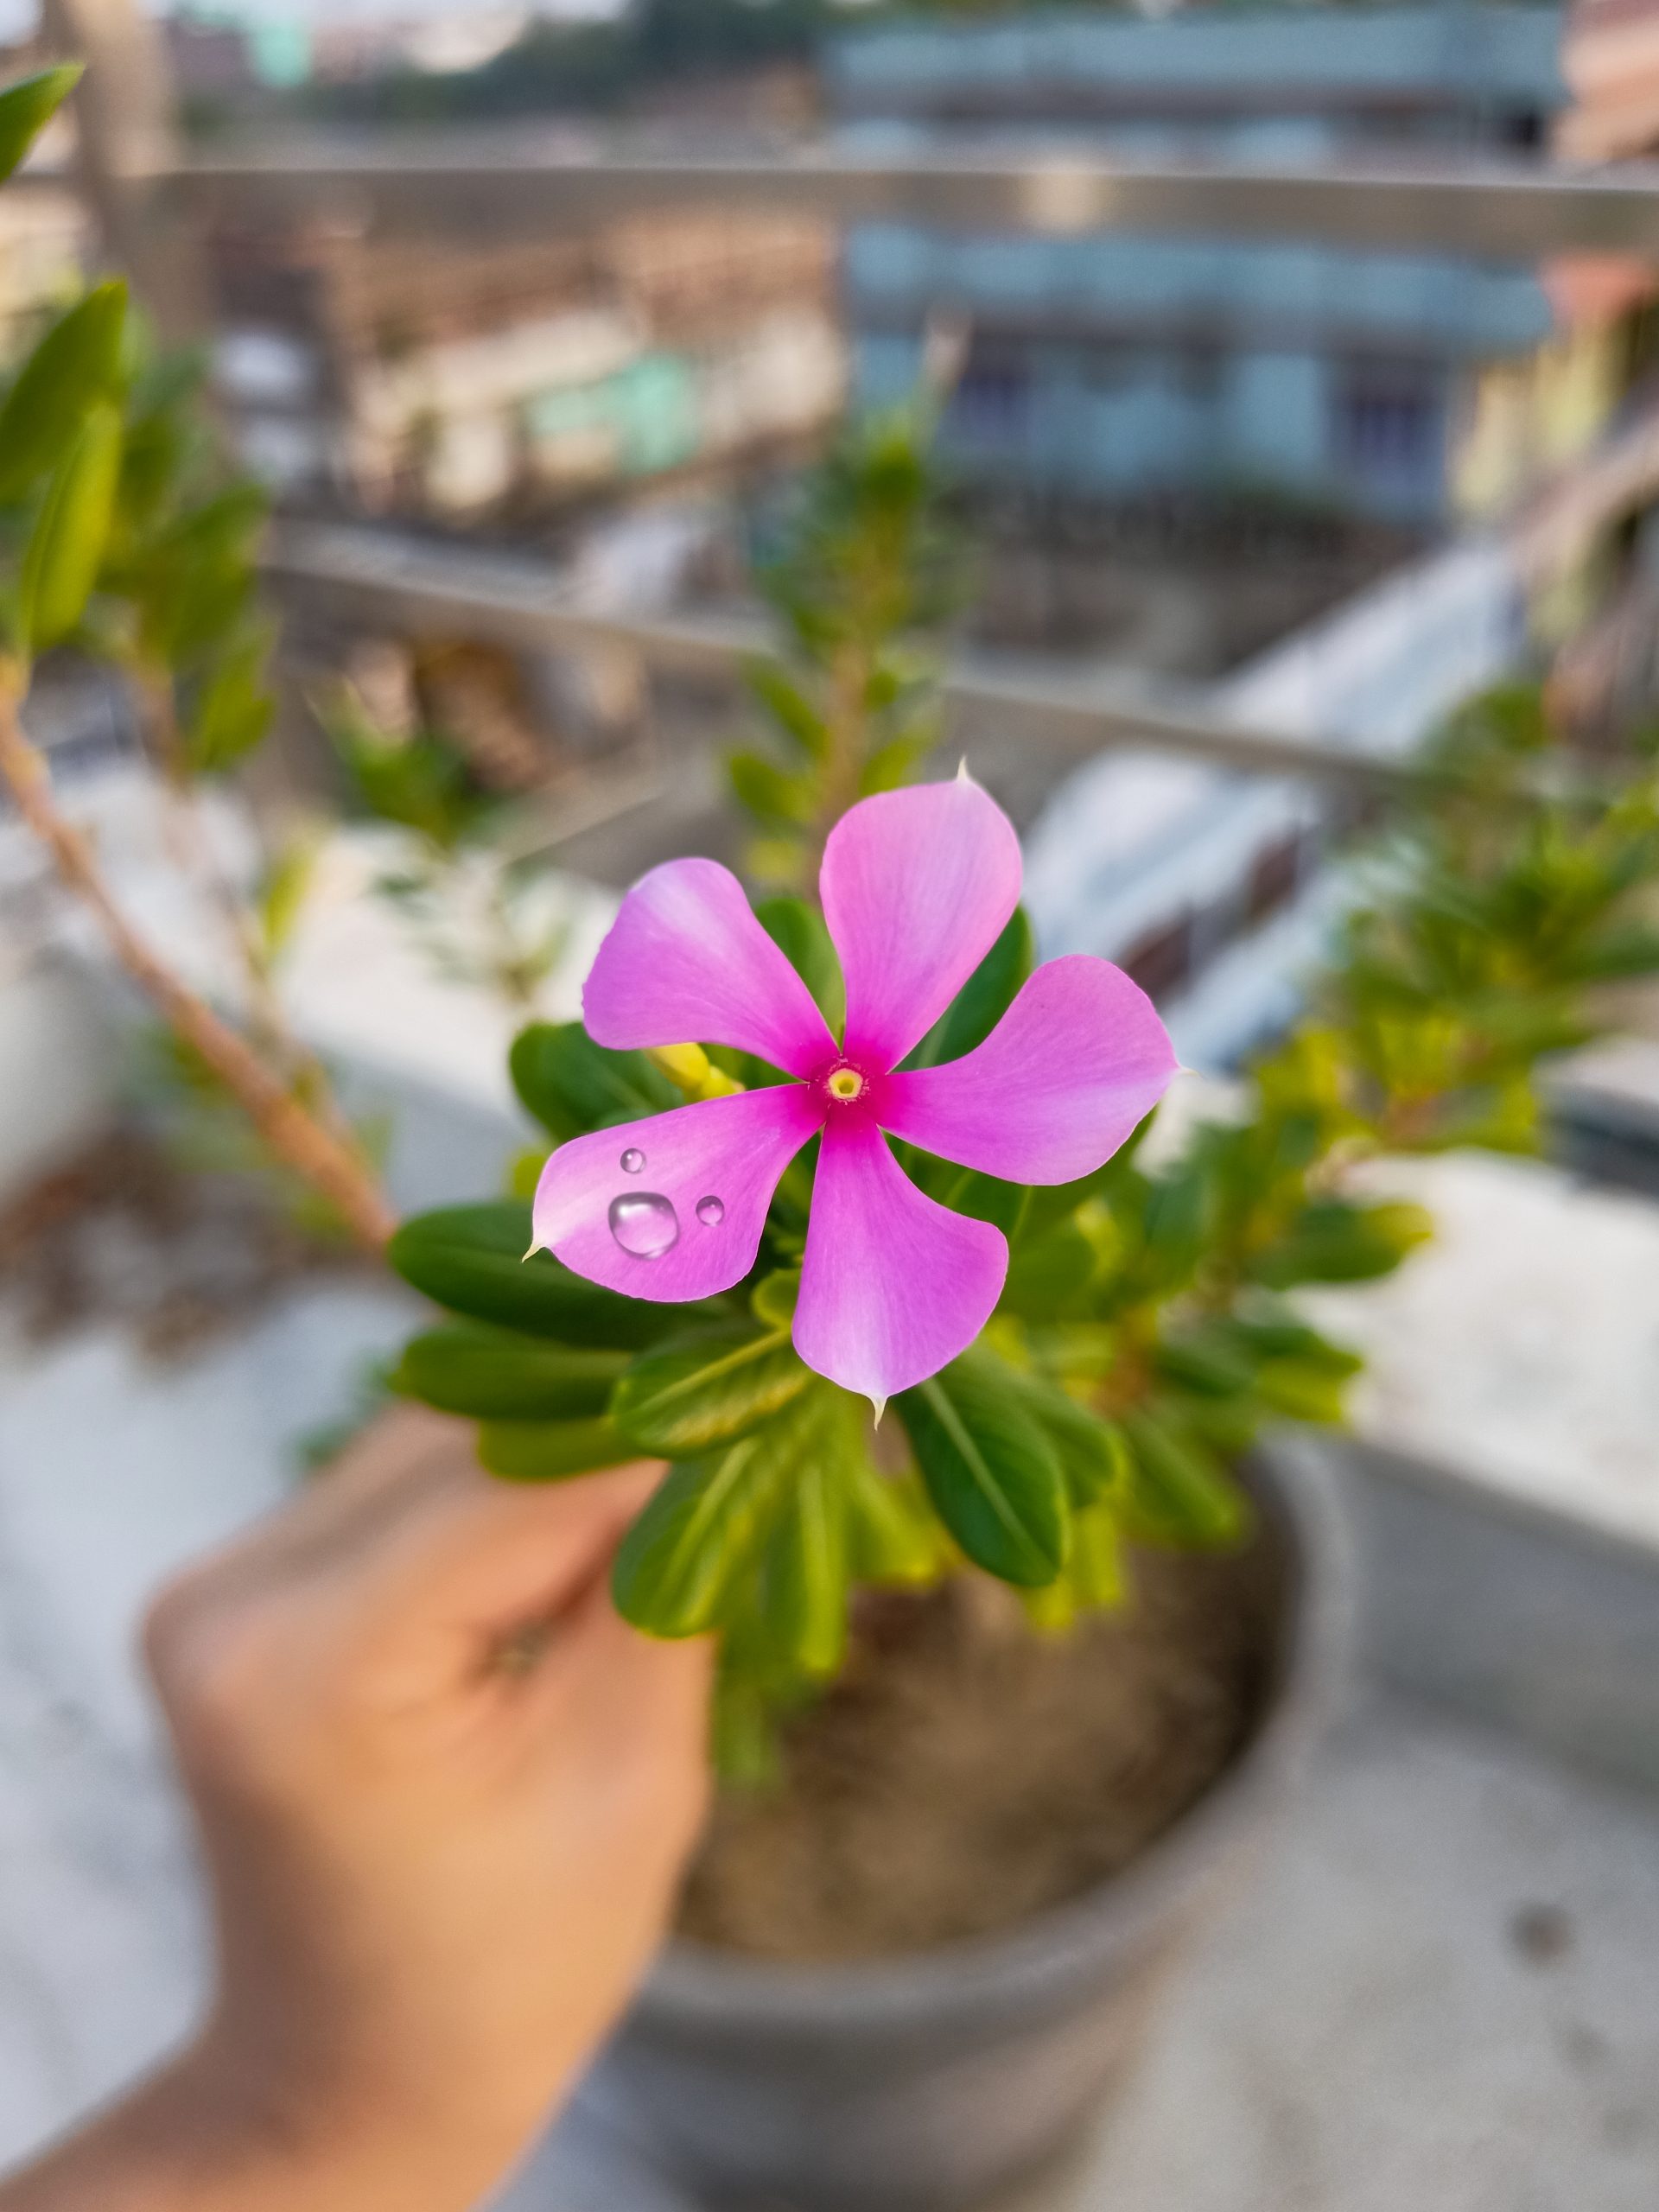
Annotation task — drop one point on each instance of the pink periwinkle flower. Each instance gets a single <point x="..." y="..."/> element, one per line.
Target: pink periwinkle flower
<point x="916" y="887"/>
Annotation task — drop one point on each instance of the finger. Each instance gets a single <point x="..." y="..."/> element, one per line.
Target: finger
<point x="476" y="1580"/>
<point x="406" y="1538"/>
<point x="408" y="1501"/>
<point x="640" y="1704"/>
<point x="402" y="1449"/>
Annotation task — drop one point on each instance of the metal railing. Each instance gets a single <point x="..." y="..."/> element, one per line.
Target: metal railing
<point x="371" y="574"/>
<point x="1510" y="209"/>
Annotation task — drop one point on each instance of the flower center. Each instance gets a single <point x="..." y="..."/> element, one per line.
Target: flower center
<point x="845" y="1084"/>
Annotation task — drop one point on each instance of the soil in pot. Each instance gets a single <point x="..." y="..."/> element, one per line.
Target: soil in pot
<point x="127" y="1234"/>
<point x="966" y="1772"/>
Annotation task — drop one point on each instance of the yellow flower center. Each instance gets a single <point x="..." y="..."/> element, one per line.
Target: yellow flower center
<point x="846" y="1083"/>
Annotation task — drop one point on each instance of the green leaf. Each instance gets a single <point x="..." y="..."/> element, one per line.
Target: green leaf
<point x="990" y="1469"/>
<point x="895" y="762"/>
<point x="789" y="707"/>
<point x="194" y="581"/>
<point x="233" y="710"/>
<point x="549" y="1450"/>
<point x="421" y="782"/>
<point x="1334" y="1241"/>
<point x="1204" y="1361"/>
<point x="1288" y="1338"/>
<point x="497" y="1374"/>
<point x="1092" y="1451"/>
<point x="1095" y="1579"/>
<point x="572" y="1085"/>
<point x="472" y="1260"/>
<point x="983" y="998"/>
<point x="26" y="108"/>
<point x="1053" y="1203"/>
<point x="1304" y="1390"/>
<point x="1175" y="1224"/>
<point x="284" y="890"/>
<point x="693" y="1545"/>
<point x="1631" y="949"/>
<point x="686" y="1401"/>
<point x="773" y="1298"/>
<point x="768" y="791"/>
<point x="1180" y="1494"/>
<point x="1047" y="1279"/>
<point x="892" y="1534"/>
<point x="216" y="531"/>
<point x="76" y="365"/>
<point x="803" y="1591"/>
<point x="61" y="559"/>
<point x="742" y="1726"/>
<point x="798" y="932"/>
<point x="986" y="1197"/>
<point x="1095" y="1569"/>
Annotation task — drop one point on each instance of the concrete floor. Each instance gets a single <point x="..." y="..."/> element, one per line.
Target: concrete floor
<point x="1439" y="1995"/>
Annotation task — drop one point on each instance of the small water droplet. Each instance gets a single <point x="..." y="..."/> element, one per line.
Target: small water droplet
<point x="711" y="1212"/>
<point x="645" y="1223"/>
<point x="633" y="1161"/>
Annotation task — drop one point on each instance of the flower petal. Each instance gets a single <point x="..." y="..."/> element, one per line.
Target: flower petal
<point x="916" y="885"/>
<point x="1076" y="1061"/>
<point x="731" y="1150"/>
<point x="893" y="1286"/>
<point x="685" y="962"/>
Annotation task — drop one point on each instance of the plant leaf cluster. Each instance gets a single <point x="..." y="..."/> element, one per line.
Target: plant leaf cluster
<point x="861" y="574"/>
<point x="1149" y="1330"/>
<point x="126" y="539"/>
<point x="473" y="913"/>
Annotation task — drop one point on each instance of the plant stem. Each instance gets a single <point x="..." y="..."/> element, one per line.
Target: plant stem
<point x="193" y="852"/>
<point x="316" y="1154"/>
<point x="845" y="722"/>
<point x="272" y="1035"/>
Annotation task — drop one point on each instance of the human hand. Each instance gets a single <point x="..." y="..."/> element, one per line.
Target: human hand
<point x="444" y="1795"/>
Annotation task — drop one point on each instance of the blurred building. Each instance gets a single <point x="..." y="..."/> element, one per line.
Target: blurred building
<point x="456" y="379"/>
<point x="221" y="63"/>
<point x="1611" y="63"/>
<point x="1411" y="386"/>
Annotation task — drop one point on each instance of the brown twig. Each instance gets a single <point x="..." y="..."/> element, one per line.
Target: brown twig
<point x="193" y="853"/>
<point x="316" y="1154"/>
<point x="194" y="856"/>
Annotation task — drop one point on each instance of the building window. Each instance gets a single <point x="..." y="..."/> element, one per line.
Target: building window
<point x="1387" y="423"/>
<point x="1198" y="371"/>
<point x="1525" y="127"/>
<point x="992" y="401"/>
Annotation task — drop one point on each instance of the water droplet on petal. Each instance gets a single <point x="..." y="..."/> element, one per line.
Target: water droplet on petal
<point x="711" y="1212"/>
<point x="633" y="1161"/>
<point x="645" y="1225"/>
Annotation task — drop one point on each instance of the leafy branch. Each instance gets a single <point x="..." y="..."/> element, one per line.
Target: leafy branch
<point x="122" y="540"/>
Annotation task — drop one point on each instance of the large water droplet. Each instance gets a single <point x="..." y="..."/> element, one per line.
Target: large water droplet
<point x="645" y="1225"/>
<point x="711" y="1212"/>
<point x="633" y="1161"/>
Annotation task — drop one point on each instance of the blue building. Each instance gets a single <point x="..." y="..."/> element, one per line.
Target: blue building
<point x="1116" y="365"/>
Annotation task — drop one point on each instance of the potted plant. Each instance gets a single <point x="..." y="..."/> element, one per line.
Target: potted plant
<point x="891" y="1988"/>
<point x="848" y="1213"/>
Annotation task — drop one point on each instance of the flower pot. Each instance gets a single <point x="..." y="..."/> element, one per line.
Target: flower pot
<point x="934" y="2080"/>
